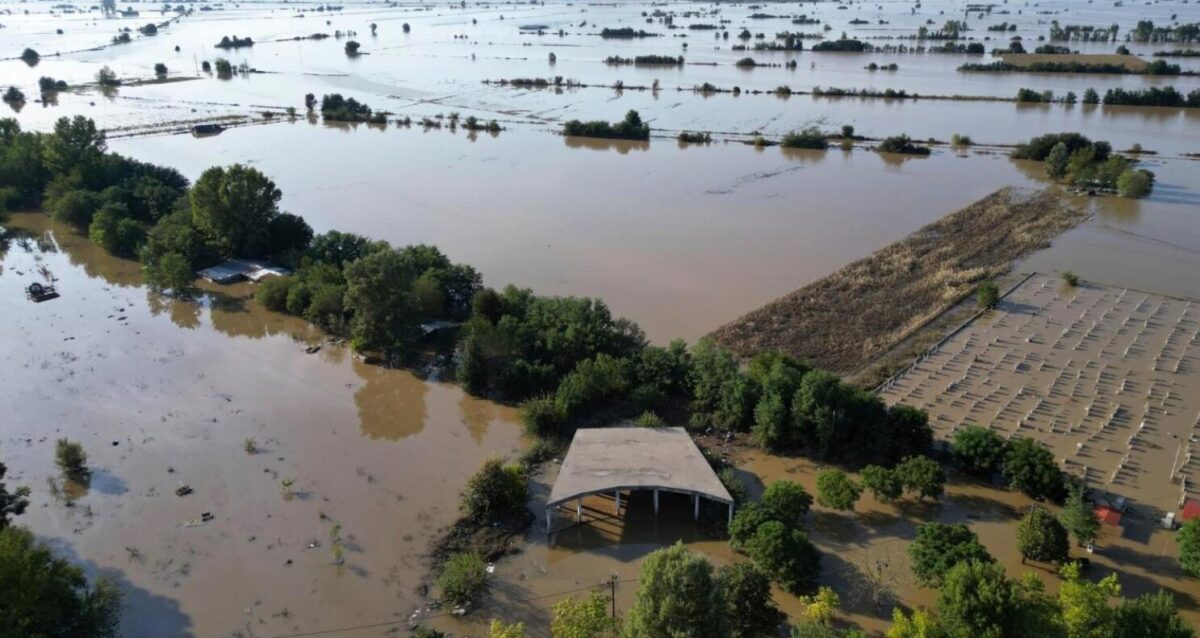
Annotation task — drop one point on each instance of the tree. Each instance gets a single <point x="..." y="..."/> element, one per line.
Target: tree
<point x="352" y="48"/>
<point x="1084" y="604"/>
<point x="787" y="501"/>
<point x="988" y="295"/>
<point x="160" y="69"/>
<point x="978" y="450"/>
<point x="76" y="208"/>
<point x="171" y="272"/>
<point x="463" y="576"/>
<point x="836" y="490"/>
<point x="1042" y="538"/>
<point x="11" y="503"/>
<point x="922" y="475"/>
<point x="233" y="207"/>
<point x="495" y="492"/>
<point x="920" y="625"/>
<point x="1134" y="183"/>
<point x="44" y="595"/>
<point x="820" y="607"/>
<point x="583" y="618"/>
<point x="938" y="547"/>
<point x="378" y="296"/>
<point x="977" y="600"/>
<point x="500" y="630"/>
<point x="883" y="482"/>
<point x="1030" y="468"/>
<point x="288" y="234"/>
<point x="787" y="555"/>
<point x="748" y="604"/>
<point x="1151" y="616"/>
<point x="678" y="595"/>
<point x="106" y="76"/>
<point x="72" y="460"/>
<point x="745" y="523"/>
<point x="1056" y="161"/>
<point x="1079" y="518"/>
<point x="1188" y="538"/>
<point x="1090" y="96"/>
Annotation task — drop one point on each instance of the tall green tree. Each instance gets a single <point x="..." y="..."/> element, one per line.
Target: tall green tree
<point x="748" y="604"/>
<point x="939" y="547"/>
<point x="836" y="490"/>
<point x="1084" y="604"/>
<point x="1029" y="466"/>
<point x="922" y="475"/>
<point x="678" y="596"/>
<point x="978" y="450"/>
<point x="75" y="142"/>
<point x="42" y="595"/>
<point x="787" y="501"/>
<point x="11" y="503"/>
<point x="1151" y="616"/>
<point x="585" y="617"/>
<point x="1188" y="538"/>
<point x="234" y="207"/>
<point x="1042" y="538"/>
<point x="379" y="297"/>
<point x="977" y="600"/>
<point x="883" y="482"/>
<point x="1079" y="518"/>
<point x="787" y="555"/>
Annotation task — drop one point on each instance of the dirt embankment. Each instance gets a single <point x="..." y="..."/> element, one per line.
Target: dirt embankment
<point x="1131" y="62"/>
<point x="842" y="322"/>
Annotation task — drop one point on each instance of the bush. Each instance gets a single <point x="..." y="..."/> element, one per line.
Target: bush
<point x="746" y="522"/>
<point x="49" y="85"/>
<point x="224" y="68"/>
<point x="497" y="491"/>
<point x="811" y="137"/>
<point x="836" y="490"/>
<point x="988" y="295"/>
<point x="170" y="271"/>
<point x="72" y="460"/>
<point x="660" y="610"/>
<point x="883" y="482"/>
<point x="1069" y="278"/>
<point x="107" y="77"/>
<point x="1038" y="148"/>
<point x="961" y="140"/>
<point x="748" y="605"/>
<point x="76" y="208"/>
<point x="903" y="145"/>
<point x="631" y="128"/>
<point x="922" y="475"/>
<point x="787" y="501"/>
<point x="29" y="56"/>
<point x="734" y="484"/>
<point x="462" y="578"/>
<point x="352" y="48"/>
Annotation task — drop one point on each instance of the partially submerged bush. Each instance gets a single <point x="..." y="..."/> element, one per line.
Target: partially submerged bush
<point x="811" y="137"/>
<point x="495" y="492"/>
<point x="902" y="144"/>
<point x="988" y="295"/>
<point x="631" y="128"/>
<point x="463" y="577"/>
<point x="72" y="460"/>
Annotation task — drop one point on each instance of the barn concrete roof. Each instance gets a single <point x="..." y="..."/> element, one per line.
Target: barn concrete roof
<point x="635" y="458"/>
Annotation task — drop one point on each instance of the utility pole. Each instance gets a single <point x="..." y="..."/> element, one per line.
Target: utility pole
<point x="612" y="589"/>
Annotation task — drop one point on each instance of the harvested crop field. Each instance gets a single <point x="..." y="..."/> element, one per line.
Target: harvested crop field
<point x="1130" y="62"/>
<point x="845" y="320"/>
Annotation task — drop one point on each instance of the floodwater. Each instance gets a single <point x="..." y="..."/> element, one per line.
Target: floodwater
<point x="164" y="393"/>
<point x="680" y="239"/>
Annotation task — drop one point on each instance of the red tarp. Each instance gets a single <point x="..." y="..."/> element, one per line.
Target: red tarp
<point x="1191" y="509"/>
<point x="1110" y="516"/>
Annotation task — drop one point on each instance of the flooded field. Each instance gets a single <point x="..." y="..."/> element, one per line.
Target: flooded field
<point x="165" y="393"/>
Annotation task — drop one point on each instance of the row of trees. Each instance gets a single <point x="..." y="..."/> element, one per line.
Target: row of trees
<point x="631" y="128"/>
<point x="1073" y="158"/>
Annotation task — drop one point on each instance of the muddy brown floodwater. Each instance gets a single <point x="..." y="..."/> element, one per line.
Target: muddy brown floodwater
<point x="164" y="393"/>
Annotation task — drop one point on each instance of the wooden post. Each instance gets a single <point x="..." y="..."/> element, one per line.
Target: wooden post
<point x="549" y="513"/>
<point x="618" y="508"/>
<point x="579" y="509"/>
<point x="696" y="505"/>
<point x="730" y="513"/>
<point x="656" y="501"/>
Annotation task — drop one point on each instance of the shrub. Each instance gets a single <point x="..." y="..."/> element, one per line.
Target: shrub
<point x="224" y="68"/>
<point x="687" y="137"/>
<point x="72" y="460"/>
<point x="160" y="69"/>
<point x="746" y="522"/>
<point x="462" y="578"/>
<point x="961" y="140"/>
<point x="987" y="295"/>
<point x="1070" y="278"/>
<point x="631" y="128"/>
<point x="29" y="56"/>
<point x="748" y="605"/>
<point x="922" y="475"/>
<point x="14" y="95"/>
<point x="495" y="492"/>
<point x="811" y="137"/>
<point x="902" y="144"/>
<point x="1030" y="467"/>
<point x="352" y="47"/>
<point x="76" y="208"/>
<point x="1188" y="539"/>
<point x="883" y="482"/>
<point x="49" y="85"/>
<point x="733" y="483"/>
<point x="660" y="610"/>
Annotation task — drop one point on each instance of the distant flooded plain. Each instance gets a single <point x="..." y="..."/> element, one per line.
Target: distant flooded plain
<point x="165" y="393"/>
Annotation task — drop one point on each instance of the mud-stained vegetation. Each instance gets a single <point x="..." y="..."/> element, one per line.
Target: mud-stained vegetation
<point x="843" y="321"/>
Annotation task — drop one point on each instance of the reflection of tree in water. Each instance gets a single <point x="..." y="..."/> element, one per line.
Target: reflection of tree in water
<point x="478" y="414"/>
<point x="184" y="313"/>
<point x="92" y="259"/>
<point x="232" y="316"/>
<point x="391" y="403"/>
